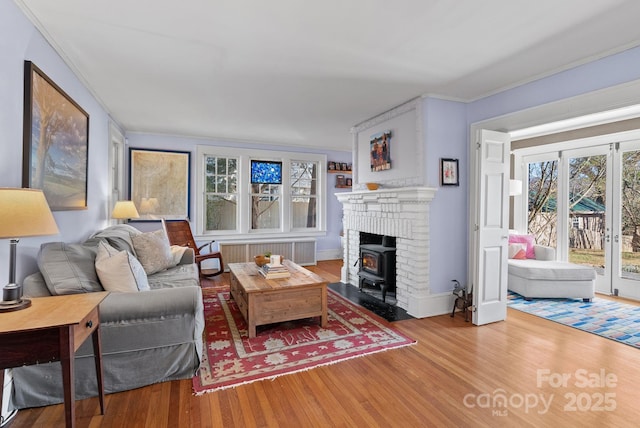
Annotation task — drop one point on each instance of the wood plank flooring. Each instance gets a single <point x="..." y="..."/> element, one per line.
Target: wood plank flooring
<point x="454" y="377"/>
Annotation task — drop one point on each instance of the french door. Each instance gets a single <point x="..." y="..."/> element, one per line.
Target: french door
<point x="586" y="203"/>
<point x="588" y="210"/>
<point x="625" y="237"/>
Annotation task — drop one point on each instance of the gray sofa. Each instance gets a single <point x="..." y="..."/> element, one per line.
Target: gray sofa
<point x="147" y="336"/>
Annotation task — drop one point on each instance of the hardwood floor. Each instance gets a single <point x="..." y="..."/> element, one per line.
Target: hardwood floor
<point x="454" y="377"/>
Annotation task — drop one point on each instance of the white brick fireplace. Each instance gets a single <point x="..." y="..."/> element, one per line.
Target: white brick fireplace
<point x="404" y="214"/>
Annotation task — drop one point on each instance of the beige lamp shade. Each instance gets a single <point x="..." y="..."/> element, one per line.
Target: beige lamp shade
<point x="124" y="210"/>
<point x="25" y="212"/>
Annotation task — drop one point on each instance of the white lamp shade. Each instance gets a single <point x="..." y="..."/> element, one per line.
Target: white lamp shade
<point x="515" y="187"/>
<point x="124" y="210"/>
<point x="25" y="212"/>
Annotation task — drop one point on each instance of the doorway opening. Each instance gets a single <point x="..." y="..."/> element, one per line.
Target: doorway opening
<point x="585" y="202"/>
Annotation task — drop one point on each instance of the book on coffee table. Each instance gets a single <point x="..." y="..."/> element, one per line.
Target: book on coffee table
<point x="271" y="271"/>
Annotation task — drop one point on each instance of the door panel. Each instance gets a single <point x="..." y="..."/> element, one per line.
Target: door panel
<point x="492" y="223"/>
<point x="589" y="221"/>
<point x="626" y="225"/>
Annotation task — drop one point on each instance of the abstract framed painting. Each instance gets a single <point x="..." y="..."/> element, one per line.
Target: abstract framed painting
<point x="159" y="184"/>
<point x="55" y="142"/>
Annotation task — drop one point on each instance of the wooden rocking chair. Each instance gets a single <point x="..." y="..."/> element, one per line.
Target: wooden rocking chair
<point x="179" y="233"/>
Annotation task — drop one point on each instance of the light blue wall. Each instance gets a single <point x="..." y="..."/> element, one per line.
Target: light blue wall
<point x="446" y="136"/>
<point x="164" y="142"/>
<point x="613" y="70"/>
<point x="446" y="125"/>
<point x="20" y="41"/>
<point x="607" y="72"/>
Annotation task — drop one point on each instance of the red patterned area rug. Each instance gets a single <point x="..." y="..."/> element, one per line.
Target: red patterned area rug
<point x="232" y="359"/>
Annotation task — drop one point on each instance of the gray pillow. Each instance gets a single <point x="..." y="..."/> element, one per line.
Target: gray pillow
<point x="118" y="236"/>
<point x="68" y="268"/>
<point x="153" y="251"/>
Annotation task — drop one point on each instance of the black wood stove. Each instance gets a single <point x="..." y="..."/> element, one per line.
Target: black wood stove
<point x="377" y="262"/>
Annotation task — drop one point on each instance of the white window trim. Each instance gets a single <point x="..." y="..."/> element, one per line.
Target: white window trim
<point x="244" y="157"/>
<point x="116" y="167"/>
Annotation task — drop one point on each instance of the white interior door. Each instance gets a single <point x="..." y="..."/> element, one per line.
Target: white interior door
<point x="491" y="213"/>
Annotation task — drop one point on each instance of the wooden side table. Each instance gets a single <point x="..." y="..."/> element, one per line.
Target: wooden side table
<point x="53" y="329"/>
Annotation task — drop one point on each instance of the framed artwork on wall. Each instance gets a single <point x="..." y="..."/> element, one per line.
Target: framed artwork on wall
<point x="159" y="183"/>
<point x="449" y="172"/>
<point x="55" y="142"/>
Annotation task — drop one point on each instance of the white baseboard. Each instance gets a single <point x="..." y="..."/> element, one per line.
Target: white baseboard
<point x="431" y="305"/>
<point x="333" y="254"/>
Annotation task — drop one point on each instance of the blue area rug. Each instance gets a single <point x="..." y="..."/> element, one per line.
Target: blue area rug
<point x="606" y="318"/>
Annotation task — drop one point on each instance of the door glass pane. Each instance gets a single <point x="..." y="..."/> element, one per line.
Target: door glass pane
<point x="587" y="188"/>
<point x="630" y="213"/>
<point x="543" y="197"/>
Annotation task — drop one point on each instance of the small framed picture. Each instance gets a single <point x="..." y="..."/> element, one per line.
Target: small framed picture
<point x="349" y="182"/>
<point x="340" y="180"/>
<point x="449" y="172"/>
<point x="331" y="166"/>
<point x="343" y="166"/>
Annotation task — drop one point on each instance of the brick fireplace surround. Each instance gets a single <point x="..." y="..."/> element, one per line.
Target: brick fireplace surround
<point x="404" y="214"/>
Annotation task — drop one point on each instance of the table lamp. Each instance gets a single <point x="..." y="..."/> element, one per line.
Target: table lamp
<point x="124" y="210"/>
<point x="23" y="213"/>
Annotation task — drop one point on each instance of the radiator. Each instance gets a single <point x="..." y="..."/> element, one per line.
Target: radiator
<point x="300" y="251"/>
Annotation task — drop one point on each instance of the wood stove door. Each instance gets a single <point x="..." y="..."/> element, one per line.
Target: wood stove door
<point x="370" y="262"/>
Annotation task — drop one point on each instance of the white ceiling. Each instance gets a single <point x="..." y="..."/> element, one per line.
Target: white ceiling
<point x="299" y="72"/>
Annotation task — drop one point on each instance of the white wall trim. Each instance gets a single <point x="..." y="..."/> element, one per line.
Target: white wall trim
<point x="418" y="149"/>
<point x="431" y="305"/>
<point x="332" y="254"/>
<point x="611" y="98"/>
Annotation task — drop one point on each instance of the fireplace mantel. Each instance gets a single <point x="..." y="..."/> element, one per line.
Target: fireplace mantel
<point x="400" y="194"/>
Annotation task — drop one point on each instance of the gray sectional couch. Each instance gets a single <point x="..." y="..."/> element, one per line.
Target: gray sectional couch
<point x="147" y="336"/>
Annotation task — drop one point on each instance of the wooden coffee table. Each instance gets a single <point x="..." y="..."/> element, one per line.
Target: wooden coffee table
<point x="265" y="301"/>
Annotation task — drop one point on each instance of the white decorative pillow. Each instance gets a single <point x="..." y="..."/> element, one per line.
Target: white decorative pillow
<point x="153" y="251"/>
<point x="119" y="271"/>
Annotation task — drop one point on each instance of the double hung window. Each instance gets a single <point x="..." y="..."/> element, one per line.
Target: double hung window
<point x="235" y="203"/>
